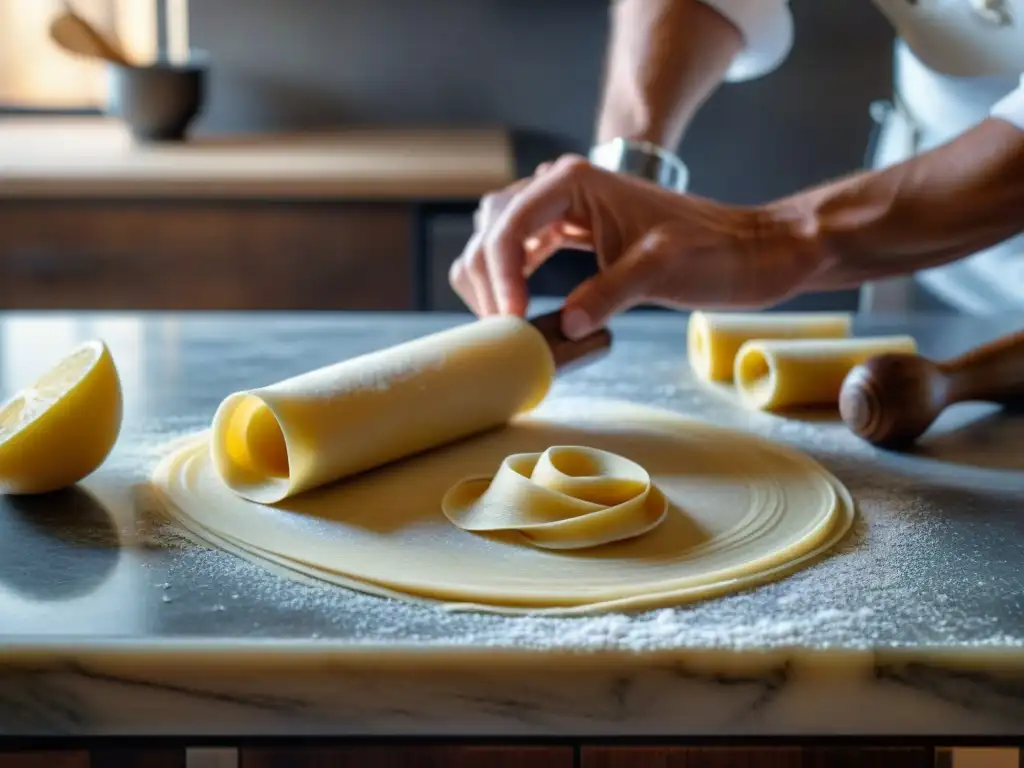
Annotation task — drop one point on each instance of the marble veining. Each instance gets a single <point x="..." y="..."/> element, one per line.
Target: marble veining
<point x="74" y="699"/>
<point x="915" y="625"/>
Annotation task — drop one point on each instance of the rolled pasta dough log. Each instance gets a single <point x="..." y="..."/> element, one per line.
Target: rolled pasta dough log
<point x="787" y="373"/>
<point x="278" y="441"/>
<point x="714" y="338"/>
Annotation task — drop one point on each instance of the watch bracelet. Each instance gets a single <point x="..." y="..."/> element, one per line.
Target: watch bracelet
<point x="642" y="159"/>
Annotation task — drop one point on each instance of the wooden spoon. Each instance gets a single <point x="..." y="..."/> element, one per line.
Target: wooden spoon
<point x="890" y="400"/>
<point x="76" y="35"/>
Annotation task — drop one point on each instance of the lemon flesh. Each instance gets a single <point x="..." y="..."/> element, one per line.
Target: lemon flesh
<point x="61" y="428"/>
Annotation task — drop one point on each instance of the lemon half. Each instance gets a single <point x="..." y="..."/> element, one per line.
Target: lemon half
<point x="62" y="427"/>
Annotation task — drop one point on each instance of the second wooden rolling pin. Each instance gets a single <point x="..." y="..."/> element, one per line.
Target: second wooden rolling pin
<point x="890" y="400"/>
<point x="281" y="440"/>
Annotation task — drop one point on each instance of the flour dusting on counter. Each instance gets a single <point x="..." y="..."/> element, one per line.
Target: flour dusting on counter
<point x="933" y="560"/>
<point x="856" y="599"/>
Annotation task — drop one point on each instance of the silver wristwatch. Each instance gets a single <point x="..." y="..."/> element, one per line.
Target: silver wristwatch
<point x="642" y="159"/>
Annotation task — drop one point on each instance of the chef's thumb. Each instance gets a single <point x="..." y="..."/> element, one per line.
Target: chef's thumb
<point x="593" y="303"/>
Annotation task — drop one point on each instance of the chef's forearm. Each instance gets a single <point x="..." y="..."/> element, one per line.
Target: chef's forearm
<point x="937" y="207"/>
<point x="665" y="58"/>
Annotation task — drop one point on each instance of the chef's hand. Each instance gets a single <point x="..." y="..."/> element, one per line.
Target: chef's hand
<point x="653" y="246"/>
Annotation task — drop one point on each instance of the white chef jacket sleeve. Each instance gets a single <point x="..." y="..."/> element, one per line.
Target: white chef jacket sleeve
<point x="767" y="29"/>
<point x="1011" y="107"/>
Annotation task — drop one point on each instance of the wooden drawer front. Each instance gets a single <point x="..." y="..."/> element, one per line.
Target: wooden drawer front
<point x="424" y="756"/>
<point x="174" y="256"/>
<point x="44" y="760"/>
<point x="756" y="757"/>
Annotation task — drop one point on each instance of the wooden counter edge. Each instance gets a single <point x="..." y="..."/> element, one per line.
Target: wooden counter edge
<point x="94" y="159"/>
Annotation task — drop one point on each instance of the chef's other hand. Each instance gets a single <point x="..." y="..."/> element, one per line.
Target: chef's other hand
<point x="653" y="246"/>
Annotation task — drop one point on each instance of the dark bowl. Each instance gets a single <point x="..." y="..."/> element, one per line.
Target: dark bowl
<point x="158" y="102"/>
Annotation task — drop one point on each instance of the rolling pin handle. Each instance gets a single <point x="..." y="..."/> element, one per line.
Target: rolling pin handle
<point x="993" y="372"/>
<point x="891" y="400"/>
<point x="569" y="354"/>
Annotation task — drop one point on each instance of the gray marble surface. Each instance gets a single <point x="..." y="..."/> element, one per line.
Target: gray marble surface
<point x="111" y="623"/>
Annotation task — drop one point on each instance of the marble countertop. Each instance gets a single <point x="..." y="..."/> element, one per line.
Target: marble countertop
<point x="58" y="158"/>
<point x="111" y="623"/>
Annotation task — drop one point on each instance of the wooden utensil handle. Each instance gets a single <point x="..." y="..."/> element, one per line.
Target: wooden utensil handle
<point x="110" y="49"/>
<point x="570" y="354"/>
<point x="993" y="372"/>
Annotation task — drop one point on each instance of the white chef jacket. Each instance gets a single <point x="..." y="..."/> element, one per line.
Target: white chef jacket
<point x="952" y="37"/>
<point x="956" y="62"/>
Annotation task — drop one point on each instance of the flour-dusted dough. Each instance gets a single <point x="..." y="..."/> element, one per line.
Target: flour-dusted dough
<point x="272" y="443"/>
<point x="777" y="374"/>
<point x="714" y="338"/>
<point x="741" y="511"/>
<point x="568" y="497"/>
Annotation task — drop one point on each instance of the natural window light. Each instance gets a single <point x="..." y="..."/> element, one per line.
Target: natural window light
<point x="36" y="74"/>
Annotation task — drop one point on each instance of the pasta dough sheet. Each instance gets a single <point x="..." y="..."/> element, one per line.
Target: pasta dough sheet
<point x="778" y="374"/>
<point x="568" y="497"/>
<point x="740" y="511"/>
<point x="278" y="441"/>
<point x="714" y="338"/>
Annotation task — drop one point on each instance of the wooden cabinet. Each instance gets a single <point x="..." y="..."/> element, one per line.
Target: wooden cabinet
<point x="417" y="756"/>
<point x="45" y="759"/>
<point x="755" y="757"/>
<point x="120" y="757"/>
<point x="110" y="757"/>
<point x="453" y="755"/>
<point x="184" y="255"/>
<point x="91" y="219"/>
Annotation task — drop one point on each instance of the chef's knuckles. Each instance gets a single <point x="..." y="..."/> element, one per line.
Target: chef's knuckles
<point x="652" y="246"/>
<point x="567" y="169"/>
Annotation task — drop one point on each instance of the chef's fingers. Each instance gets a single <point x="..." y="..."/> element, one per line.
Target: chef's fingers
<point x="468" y="276"/>
<point x="559" y="235"/>
<point x="553" y="238"/>
<point x="493" y="204"/>
<point x="479" y="278"/>
<point x="458" y="275"/>
<point x="623" y="284"/>
<point x="545" y="201"/>
<point x="470" y="279"/>
<point x="573" y="232"/>
<point x="543" y="244"/>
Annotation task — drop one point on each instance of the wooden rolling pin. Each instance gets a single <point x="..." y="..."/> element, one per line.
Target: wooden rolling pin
<point x="891" y="400"/>
<point x="569" y="354"/>
<point x="360" y="414"/>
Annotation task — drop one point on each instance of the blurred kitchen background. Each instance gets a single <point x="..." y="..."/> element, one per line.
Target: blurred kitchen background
<point x="534" y="66"/>
<point x="343" y="144"/>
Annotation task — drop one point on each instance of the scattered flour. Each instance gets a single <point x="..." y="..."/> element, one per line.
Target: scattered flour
<point x="904" y="574"/>
<point x="848" y="601"/>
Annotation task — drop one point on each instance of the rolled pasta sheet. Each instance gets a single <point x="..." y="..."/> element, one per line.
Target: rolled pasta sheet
<point x="281" y="440"/>
<point x="714" y="338"/>
<point x="793" y="373"/>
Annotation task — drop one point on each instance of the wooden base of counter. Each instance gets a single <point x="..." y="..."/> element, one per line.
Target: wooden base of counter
<point x="179" y="255"/>
<point x="455" y="756"/>
<point x="90" y="219"/>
